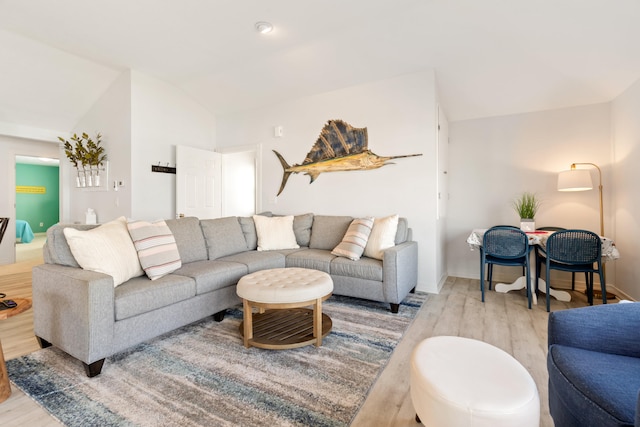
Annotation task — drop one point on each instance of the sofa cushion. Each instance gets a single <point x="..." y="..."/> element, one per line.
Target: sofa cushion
<point x="224" y="236"/>
<point x="189" y="238"/>
<point x="355" y="239"/>
<point x="275" y="233"/>
<point x="327" y="231"/>
<point x="106" y="249"/>
<point x="598" y="385"/>
<point x="56" y="249"/>
<point x="403" y="231"/>
<point x="249" y="229"/>
<point x="382" y="236"/>
<point x="364" y="268"/>
<point x="302" y="228"/>
<point x="258" y="260"/>
<point x="140" y="295"/>
<point x="212" y="275"/>
<point x="315" y="259"/>
<point x="156" y="246"/>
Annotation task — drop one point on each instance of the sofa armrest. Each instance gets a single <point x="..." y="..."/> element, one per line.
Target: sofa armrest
<point x="400" y="271"/>
<point x="74" y="310"/>
<point x="612" y="328"/>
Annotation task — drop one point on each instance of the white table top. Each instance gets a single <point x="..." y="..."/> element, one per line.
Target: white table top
<point x="609" y="250"/>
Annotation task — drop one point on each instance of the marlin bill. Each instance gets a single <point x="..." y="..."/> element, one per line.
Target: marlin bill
<point x="340" y="147"/>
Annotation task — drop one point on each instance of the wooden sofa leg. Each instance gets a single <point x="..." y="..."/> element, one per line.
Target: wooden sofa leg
<point x="219" y="316"/>
<point x="394" y="307"/>
<point x="94" y="368"/>
<point x="43" y="343"/>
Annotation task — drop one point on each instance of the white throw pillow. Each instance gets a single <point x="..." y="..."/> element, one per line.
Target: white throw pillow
<point x="383" y="236"/>
<point x="156" y="246"/>
<point x="106" y="249"/>
<point x="275" y="233"/>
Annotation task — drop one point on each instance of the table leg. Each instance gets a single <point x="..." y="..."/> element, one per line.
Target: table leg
<point x="248" y="322"/>
<point x="5" y="385"/>
<point x="542" y="286"/>
<point x="557" y="294"/>
<point x="317" y="321"/>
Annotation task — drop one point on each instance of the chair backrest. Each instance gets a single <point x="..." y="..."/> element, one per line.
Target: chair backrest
<point x="505" y="242"/>
<point x="3" y="227"/>
<point x="574" y="247"/>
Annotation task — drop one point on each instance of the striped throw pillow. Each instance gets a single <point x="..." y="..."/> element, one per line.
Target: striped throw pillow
<point x="355" y="239"/>
<point x="156" y="246"/>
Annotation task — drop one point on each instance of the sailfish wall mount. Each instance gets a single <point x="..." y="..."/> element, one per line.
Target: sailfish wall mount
<point x="339" y="148"/>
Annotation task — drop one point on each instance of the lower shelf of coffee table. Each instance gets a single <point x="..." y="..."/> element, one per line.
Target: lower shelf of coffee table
<point x="285" y="328"/>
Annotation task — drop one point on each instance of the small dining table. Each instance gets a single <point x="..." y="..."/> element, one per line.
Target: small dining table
<point x="539" y="237"/>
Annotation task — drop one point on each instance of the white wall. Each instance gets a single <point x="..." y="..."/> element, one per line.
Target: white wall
<point x="10" y="147"/>
<point x="111" y="117"/>
<point x="493" y="160"/>
<point x="625" y="112"/>
<point x="162" y="117"/>
<point x="141" y="120"/>
<point x="400" y="117"/>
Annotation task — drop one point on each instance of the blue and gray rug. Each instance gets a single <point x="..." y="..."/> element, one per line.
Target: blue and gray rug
<point x="202" y="375"/>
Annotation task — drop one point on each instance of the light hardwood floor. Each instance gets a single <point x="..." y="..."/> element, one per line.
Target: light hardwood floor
<point x="503" y="320"/>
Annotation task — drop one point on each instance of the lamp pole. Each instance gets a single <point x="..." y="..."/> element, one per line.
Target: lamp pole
<point x="573" y="166"/>
<point x="604" y="271"/>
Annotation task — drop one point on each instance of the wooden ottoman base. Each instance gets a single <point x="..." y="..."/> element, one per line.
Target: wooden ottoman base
<point x="285" y="328"/>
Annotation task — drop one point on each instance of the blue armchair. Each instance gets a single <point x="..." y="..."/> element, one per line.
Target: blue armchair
<point x="594" y="366"/>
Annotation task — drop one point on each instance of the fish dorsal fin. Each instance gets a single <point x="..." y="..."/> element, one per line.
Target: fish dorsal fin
<point x="337" y="139"/>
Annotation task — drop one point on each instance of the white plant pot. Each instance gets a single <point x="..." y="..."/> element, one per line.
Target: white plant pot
<point x="527" y="224"/>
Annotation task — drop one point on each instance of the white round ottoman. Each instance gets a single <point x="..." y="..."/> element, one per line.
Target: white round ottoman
<point x="281" y="295"/>
<point x="464" y="382"/>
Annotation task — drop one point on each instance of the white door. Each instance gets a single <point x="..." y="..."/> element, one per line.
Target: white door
<point x="198" y="183"/>
<point x="239" y="183"/>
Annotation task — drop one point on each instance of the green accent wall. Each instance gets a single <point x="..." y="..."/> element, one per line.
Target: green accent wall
<point x="38" y="208"/>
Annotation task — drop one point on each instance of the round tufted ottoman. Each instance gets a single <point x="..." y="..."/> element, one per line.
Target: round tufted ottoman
<point x="281" y="295"/>
<point x="464" y="382"/>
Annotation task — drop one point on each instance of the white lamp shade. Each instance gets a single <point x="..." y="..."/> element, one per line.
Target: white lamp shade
<point x="575" y="180"/>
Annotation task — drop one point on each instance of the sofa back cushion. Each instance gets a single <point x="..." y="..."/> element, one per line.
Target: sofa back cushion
<point x="223" y="236"/>
<point x="302" y="228"/>
<point x="189" y="238"/>
<point x="56" y="249"/>
<point x="402" y="235"/>
<point x="327" y="231"/>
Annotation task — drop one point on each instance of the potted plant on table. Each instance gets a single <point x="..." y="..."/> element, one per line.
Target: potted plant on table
<point x="526" y="205"/>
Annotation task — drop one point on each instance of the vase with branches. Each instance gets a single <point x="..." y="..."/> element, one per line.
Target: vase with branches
<point x="87" y="156"/>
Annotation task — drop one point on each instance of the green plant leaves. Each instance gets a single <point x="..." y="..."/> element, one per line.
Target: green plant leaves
<point x="85" y="151"/>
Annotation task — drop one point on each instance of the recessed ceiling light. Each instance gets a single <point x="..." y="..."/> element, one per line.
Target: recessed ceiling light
<point x="264" y="27"/>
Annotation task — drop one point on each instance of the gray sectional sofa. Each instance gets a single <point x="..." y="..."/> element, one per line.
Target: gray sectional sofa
<point x="82" y="313"/>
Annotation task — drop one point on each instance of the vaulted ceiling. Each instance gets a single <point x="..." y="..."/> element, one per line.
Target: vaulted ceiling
<point x="490" y="57"/>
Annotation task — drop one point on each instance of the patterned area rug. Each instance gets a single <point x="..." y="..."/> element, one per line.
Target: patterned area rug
<point x="201" y="375"/>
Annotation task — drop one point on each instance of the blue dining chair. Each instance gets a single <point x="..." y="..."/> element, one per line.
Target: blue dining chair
<point x="508" y="246"/>
<point x="578" y="251"/>
<point x="539" y="258"/>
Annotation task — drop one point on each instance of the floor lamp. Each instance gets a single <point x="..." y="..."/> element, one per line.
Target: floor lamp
<point x="580" y="180"/>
